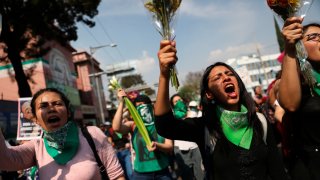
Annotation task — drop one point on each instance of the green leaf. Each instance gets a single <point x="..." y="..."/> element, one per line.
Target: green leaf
<point x="138" y="121"/>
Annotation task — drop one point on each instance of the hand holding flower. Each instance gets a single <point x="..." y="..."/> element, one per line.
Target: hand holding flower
<point x="292" y="32"/>
<point x="121" y="95"/>
<point x="298" y="8"/>
<point x="114" y="85"/>
<point x="167" y="56"/>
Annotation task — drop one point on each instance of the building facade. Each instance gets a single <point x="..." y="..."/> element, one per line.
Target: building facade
<point x="55" y="69"/>
<point x="90" y="86"/>
<point x="256" y="70"/>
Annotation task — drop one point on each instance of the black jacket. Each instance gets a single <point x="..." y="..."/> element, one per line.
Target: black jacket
<point x="222" y="159"/>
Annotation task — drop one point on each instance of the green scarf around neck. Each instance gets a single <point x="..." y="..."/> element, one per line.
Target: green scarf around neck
<point x="62" y="144"/>
<point x="235" y="126"/>
<point x="316" y="87"/>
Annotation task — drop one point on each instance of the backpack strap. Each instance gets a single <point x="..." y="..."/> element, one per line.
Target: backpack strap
<point x="263" y="121"/>
<point x="102" y="169"/>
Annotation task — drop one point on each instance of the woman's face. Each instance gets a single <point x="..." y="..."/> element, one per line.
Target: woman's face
<point x="311" y="41"/>
<point x="223" y="87"/>
<point x="51" y="111"/>
<point x="175" y="99"/>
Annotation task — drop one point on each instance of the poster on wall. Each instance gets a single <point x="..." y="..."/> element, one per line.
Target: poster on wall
<point x="27" y="128"/>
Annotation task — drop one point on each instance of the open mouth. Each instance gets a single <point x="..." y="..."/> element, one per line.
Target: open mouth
<point x="53" y="119"/>
<point x="230" y="90"/>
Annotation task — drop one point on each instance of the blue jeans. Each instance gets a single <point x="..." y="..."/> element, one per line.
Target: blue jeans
<point x="124" y="157"/>
<point x="157" y="175"/>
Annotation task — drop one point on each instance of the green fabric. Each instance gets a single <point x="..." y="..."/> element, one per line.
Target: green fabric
<point x="33" y="171"/>
<point x="235" y="126"/>
<point x="119" y="135"/>
<point x="62" y="144"/>
<point x="180" y="110"/>
<point x="316" y="88"/>
<point x="146" y="161"/>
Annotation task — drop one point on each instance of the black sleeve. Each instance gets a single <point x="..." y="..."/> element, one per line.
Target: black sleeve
<point x="188" y="129"/>
<point x="275" y="162"/>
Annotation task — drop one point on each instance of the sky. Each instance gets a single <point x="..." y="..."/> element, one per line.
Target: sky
<point x="206" y="31"/>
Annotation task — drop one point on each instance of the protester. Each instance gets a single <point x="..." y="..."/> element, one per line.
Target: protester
<point x="193" y="109"/>
<point x="259" y="97"/>
<point x="186" y="153"/>
<point x="235" y="141"/>
<point x="300" y="100"/>
<point x="150" y="162"/>
<point x="63" y="152"/>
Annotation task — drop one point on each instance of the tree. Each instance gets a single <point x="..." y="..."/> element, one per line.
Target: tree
<point x="191" y="88"/>
<point x="131" y="80"/>
<point x="27" y="24"/>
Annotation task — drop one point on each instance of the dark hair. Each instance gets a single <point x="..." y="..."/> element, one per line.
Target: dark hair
<point x="305" y="27"/>
<point x="37" y="94"/>
<point x="173" y="96"/>
<point x="255" y="88"/>
<point x="209" y="108"/>
<point x="142" y="98"/>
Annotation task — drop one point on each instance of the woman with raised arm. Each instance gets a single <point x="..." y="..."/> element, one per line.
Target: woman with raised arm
<point x="302" y="102"/>
<point x="64" y="152"/>
<point x="150" y="162"/>
<point x="235" y="141"/>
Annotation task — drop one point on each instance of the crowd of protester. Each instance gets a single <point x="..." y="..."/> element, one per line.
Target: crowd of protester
<point x="227" y="134"/>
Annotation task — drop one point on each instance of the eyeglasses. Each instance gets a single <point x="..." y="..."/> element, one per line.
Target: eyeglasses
<point x="313" y="37"/>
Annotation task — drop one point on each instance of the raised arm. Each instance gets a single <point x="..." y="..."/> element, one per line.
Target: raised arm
<point x="290" y="85"/>
<point x="16" y="157"/>
<point x="117" y="124"/>
<point x="167" y="57"/>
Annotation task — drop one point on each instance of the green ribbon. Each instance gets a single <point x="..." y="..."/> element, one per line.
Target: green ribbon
<point x="62" y="144"/>
<point x="235" y="126"/>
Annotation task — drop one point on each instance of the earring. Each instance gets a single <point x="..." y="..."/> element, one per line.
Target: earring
<point x="212" y="101"/>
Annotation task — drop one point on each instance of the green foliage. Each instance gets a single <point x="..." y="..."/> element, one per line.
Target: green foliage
<point x="187" y="93"/>
<point x="131" y="80"/>
<point x="55" y="18"/>
<point x="149" y="91"/>
<point x="28" y="24"/>
<point x="190" y="90"/>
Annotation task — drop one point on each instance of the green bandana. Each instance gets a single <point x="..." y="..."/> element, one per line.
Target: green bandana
<point x="235" y="126"/>
<point x="316" y="88"/>
<point x="33" y="171"/>
<point x="62" y="144"/>
<point x="180" y="109"/>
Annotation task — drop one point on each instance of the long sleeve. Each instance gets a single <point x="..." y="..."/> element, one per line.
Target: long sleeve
<point x="189" y="129"/>
<point x="16" y="157"/>
<point x="275" y="163"/>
